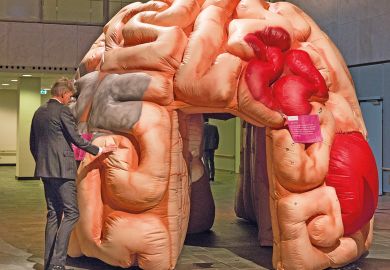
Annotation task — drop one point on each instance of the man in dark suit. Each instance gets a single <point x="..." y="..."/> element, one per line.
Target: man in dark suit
<point x="53" y="130"/>
<point x="211" y="141"/>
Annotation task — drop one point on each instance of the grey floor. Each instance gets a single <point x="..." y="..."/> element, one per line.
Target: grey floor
<point x="231" y="244"/>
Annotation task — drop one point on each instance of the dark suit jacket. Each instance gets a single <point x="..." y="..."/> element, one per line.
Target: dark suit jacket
<point x="211" y="137"/>
<point x="53" y="130"/>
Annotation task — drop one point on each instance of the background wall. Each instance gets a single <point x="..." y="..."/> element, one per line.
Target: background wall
<point x="227" y="156"/>
<point x="359" y="28"/>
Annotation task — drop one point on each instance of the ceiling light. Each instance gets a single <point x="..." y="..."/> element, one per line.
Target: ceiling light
<point x="26" y="75"/>
<point x="5" y="84"/>
<point x="14" y="80"/>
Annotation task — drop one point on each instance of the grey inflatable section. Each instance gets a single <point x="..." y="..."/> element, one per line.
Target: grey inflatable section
<point x="85" y="87"/>
<point x="117" y="103"/>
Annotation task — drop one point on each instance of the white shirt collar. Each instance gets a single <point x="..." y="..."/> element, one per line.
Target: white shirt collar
<point x="57" y="99"/>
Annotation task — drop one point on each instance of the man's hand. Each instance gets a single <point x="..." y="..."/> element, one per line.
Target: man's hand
<point x="109" y="148"/>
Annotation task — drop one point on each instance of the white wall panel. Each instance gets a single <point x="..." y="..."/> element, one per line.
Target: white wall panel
<point x="50" y="45"/>
<point x="25" y="44"/>
<point x="60" y="45"/>
<point x="4" y="43"/>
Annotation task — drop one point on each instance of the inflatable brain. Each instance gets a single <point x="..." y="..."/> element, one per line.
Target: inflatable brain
<point x="144" y="85"/>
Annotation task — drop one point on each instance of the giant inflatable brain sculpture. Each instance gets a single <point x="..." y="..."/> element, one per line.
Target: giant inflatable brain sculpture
<point x="144" y="85"/>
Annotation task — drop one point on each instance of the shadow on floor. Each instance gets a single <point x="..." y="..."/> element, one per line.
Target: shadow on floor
<point x="93" y="264"/>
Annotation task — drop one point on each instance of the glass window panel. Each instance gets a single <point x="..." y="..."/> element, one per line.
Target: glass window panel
<point x="114" y="7"/>
<point x="3" y="10"/>
<point x="97" y="12"/>
<point x="73" y="11"/>
<point x="20" y="10"/>
<point x="126" y="2"/>
<point x="49" y="10"/>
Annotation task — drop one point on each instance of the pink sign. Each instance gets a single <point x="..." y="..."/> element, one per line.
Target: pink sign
<point x="305" y="128"/>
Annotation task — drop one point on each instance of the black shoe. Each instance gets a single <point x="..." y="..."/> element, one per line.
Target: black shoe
<point x="211" y="179"/>
<point x="58" y="267"/>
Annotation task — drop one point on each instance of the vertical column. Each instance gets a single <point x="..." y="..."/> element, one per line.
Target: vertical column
<point x="29" y="101"/>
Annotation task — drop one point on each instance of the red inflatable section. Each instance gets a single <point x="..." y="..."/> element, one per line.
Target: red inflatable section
<point x="353" y="173"/>
<point x="293" y="94"/>
<point x="301" y="83"/>
<point x="263" y="70"/>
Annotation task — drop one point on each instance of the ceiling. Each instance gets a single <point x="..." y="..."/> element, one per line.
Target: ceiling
<point x="47" y="79"/>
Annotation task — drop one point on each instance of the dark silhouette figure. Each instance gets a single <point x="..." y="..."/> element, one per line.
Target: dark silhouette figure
<point x="211" y="141"/>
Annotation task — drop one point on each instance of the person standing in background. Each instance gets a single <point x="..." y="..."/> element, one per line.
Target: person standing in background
<point x="211" y="141"/>
<point x="53" y="130"/>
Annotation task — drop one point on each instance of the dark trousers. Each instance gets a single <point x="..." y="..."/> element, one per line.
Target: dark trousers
<point x="62" y="214"/>
<point x="208" y="156"/>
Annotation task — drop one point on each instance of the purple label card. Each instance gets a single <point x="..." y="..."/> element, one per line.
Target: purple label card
<point x="305" y="128"/>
